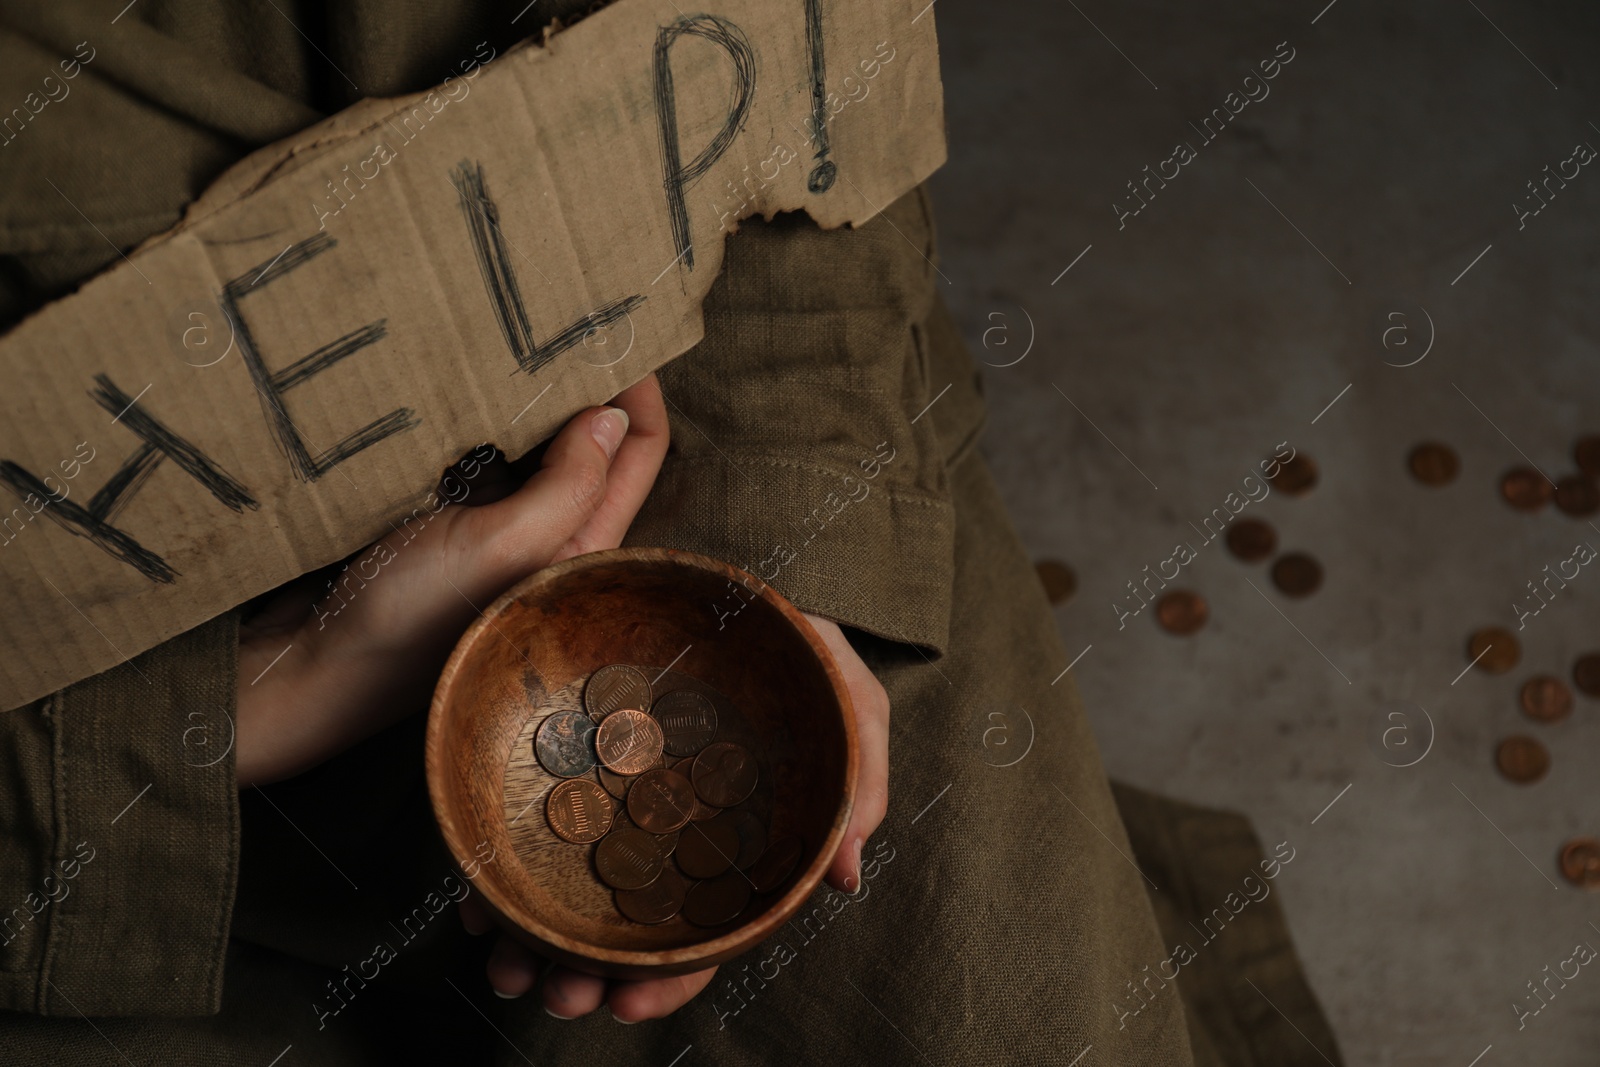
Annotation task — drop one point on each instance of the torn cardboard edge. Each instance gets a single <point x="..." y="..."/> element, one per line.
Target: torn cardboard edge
<point x="267" y="387"/>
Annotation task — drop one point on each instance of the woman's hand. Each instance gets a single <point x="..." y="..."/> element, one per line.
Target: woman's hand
<point x="872" y="735"/>
<point x="567" y="993"/>
<point x="320" y="670"/>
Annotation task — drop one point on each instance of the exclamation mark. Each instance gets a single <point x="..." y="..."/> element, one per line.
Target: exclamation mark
<point x="822" y="175"/>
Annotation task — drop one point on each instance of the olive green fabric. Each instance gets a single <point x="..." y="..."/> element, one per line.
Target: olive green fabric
<point x="831" y="372"/>
<point x="120" y="813"/>
<point x="999" y="923"/>
<point x="1248" y="999"/>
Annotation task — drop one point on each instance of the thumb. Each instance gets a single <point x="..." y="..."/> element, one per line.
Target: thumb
<point x="514" y="537"/>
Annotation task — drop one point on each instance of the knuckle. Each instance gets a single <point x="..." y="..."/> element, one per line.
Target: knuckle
<point x="872" y="700"/>
<point x="579" y="545"/>
<point x="586" y="488"/>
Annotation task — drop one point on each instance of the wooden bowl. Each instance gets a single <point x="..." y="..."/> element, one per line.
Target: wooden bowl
<point x="654" y="608"/>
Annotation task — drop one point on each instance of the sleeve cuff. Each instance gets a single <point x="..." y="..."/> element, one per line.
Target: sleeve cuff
<point x="832" y="547"/>
<point x="813" y="424"/>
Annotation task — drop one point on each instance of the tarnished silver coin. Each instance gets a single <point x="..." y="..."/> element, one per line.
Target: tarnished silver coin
<point x="565" y="744"/>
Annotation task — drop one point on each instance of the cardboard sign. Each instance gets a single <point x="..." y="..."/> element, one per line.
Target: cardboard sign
<point x="270" y="385"/>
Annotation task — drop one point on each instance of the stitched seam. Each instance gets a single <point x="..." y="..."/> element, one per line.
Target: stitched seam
<point x="966" y="445"/>
<point x="230" y="878"/>
<point x="55" y="709"/>
<point x="852" y="615"/>
<point x="901" y="495"/>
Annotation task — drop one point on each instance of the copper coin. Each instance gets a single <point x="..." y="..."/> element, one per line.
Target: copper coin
<point x="614" y="687"/>
<point x="1522" y="759"/>
<point x="688" y="721"/>
<point x="660" y="801"/>
<point x="579" y="811"/>
<point x="1252" y="540"/>
<point x="776" y="864"/>
<point x="1580" y="862"/>
<point x="1181" y="612"/>
<point x="1058" y="580"/>
<point x="1432" y="463"/>
<point x="1576" y="494"/>
<point x="656" y="902"/>
<point x="1587" y="453"/>
<point x="667" y="842"/>
<point x="1296" y="574"/>
<point x="1526" y="489"/>
<point x="1586" y="674"/>
<point x="719" y="900"/>
<point x="724" y="774"/>
<point x="707" y="849"/>
<point x="565" y="744"/>
<point x="1494" y="650"/>
<point x="614" y="783"/>
<point x="628" y="859"/>
<point x="752" y="838"/>
<point x="1546" y="699"/>
<point x="1297" y="476"/>
<point x="628" y="742"/>
<point x="702" y="810"/>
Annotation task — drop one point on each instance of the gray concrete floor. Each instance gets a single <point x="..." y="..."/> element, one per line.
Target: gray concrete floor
<point x="1223" y="319"/>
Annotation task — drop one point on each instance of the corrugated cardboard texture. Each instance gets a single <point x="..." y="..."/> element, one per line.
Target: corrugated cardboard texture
<point x="261" y="391"/>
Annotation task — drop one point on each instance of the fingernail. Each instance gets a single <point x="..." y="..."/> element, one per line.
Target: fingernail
<point x="553" y="1015"/>
<point x="857" y="889"/>
<point x="624" y="1022"/>
<point x="505" y="996"/>
<point x="609" y="426"/>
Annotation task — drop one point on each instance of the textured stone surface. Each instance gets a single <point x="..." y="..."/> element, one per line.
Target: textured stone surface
<point x="1206" y="331"/>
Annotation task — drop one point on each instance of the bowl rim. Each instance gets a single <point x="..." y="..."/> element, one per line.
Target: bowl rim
<point x="741" y="937"/>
